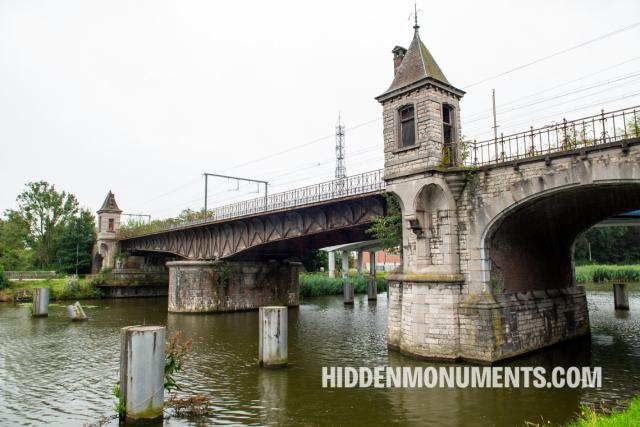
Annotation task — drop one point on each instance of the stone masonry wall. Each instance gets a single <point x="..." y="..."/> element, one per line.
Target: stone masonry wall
<point x="507" y="325"/>
<point x="428" y="150"/>
<point x="208" y="286"/>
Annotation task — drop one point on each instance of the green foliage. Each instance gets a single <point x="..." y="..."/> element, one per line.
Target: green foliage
<point x="607" y="273"/>
<point x="45" y="211"/>
<point x="609" y="245"/>
<point x="314" y="260"/>
<point x="318" y="284"/>
<point x="78" y="233"/>
<point x="14" y="252"/>
<point x="589" y="417"/>
<point x="175" y="356"/>
<point x="120" y="407"/>
<point x="388" y="228"/>
<point x="101" y="277"/>
<point x="4" y="282"/>
<point x="137" y="227"/>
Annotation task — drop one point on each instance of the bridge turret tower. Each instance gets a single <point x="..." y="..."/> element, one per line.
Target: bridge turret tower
<point x="108" y="226"/>
<point x="421" y="135"/>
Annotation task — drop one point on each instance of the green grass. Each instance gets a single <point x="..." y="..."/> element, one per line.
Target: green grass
<point x="607" y="273"/>
<point x="627" y="418"/>
<point x="319" y="284"/>
<point x="61" y="289"/>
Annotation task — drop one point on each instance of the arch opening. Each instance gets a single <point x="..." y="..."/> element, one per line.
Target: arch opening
<point x="531" y="246"/>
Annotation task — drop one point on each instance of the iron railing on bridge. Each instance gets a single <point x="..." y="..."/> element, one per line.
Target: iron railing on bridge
<point x="363" y="183"/>
<point x="603" y="128"/>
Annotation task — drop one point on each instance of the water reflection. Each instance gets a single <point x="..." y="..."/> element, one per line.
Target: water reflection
<point x="59" y="372"/>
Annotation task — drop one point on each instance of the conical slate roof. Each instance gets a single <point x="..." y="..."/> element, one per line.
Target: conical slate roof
<point x="110" y="204"/>
<point x="418" y="64"/>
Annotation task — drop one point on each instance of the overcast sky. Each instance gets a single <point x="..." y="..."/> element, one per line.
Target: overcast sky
<point x="142" y="97"/>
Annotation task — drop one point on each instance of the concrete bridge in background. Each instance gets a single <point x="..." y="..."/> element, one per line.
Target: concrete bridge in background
<point x="488" y="227"/>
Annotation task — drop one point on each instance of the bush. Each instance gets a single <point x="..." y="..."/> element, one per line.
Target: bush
<point x="74" y="288"/>
<point x="318" y="284"/>
<point x="101" y="277"/>
<point x="4" y="282"/>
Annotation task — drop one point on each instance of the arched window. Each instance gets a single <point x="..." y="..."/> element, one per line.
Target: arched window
<point x="407" y="126"/>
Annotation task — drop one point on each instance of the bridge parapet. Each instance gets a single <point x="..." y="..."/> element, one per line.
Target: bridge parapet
<point x="356" y="185"/>
<point x="588" y="132"/>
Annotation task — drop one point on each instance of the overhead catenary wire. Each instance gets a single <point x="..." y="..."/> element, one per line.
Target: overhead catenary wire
<point x="530" y="63"/>
<point x="552" y="55"/>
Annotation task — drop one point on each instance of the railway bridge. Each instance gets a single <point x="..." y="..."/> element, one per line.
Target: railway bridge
<point x="487" y="227"/>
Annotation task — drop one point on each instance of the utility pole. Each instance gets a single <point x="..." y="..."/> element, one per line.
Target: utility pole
<point x="495" y="123"/>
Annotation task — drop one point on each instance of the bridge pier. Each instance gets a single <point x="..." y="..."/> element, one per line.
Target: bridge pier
<point x="219" y="286"/>
<point x="434" y="317"/>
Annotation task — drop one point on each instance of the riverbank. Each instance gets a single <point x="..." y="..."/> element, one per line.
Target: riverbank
<point x="626" y="418"/>
<point x="69" y="288"/>
<point x="319" y="284"/>
<point x="607" y="273"/>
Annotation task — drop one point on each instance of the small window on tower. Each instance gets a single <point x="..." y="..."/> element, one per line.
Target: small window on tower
<point x="111" y="224"/>
<point x="448" y="135"/>
<point x="407" y="126"/>
<point x="447" y="123"/>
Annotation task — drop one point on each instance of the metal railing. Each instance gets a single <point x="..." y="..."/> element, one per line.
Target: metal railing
<point x="603" y="128"/>
<point x="368" y="182"/>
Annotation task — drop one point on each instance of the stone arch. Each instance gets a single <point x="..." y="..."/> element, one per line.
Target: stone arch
<point x="529" y="244"/>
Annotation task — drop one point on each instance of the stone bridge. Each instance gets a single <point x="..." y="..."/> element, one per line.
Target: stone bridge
<point x="488" y="227"/>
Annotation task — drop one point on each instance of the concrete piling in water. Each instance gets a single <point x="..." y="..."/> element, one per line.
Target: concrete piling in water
<point x="621" y="296"/>
<point x="273" y="330"/>
<point x="347" y="290"/>
<point x="76" y="312"/>
<point x="142" y="373"/>
<point x="372" y="289"/>
<point x="40" y="306"/>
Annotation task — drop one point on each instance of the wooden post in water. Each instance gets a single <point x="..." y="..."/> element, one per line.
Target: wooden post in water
<point x="621" y="296"/>
<point x="273" y="331"/>
<point x="142" y="373"/>
<point x="347" y="290"/>
<point x="76" y="312"/>
<point x="40" y="305"/>
<point x="372" y="289"/>
<point x="372" y="286"/>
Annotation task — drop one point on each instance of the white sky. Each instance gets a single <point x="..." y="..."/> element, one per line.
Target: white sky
<point x="142" y="97"/>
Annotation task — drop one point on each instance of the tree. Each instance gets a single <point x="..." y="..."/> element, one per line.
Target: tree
<point x="45" y="210"/>
<point x="388" y="228"/>
<point x="77" y="237"/>
<point x="608" y="245"/>
<point x="14" y="253"/>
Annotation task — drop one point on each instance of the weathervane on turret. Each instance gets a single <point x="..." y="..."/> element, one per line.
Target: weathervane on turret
<point x="415" y="15"/>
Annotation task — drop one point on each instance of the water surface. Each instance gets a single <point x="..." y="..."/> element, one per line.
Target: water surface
<point x="56" y="372"/>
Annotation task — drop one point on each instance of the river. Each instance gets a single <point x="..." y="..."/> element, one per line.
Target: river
<point x="56" y="372"/>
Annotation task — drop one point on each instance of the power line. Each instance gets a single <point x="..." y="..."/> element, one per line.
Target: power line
<point x="296" y="147"/>
<point x="551" y="98"/>
<point x="582" y="107"/>
<point x="473" y="115"/>
<point x="544" y="58"/>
